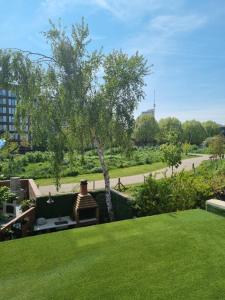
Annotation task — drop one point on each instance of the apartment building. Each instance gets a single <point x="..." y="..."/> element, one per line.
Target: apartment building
<point x="8" y="104"/>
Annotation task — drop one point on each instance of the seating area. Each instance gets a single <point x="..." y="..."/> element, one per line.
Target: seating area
<point x="43" y="224"/>
<point x="64" y="211"/>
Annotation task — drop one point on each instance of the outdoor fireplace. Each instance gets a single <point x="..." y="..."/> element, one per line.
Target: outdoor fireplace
<point x="86" y="210"/>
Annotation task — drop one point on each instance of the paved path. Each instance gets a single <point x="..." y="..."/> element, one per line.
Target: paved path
<point x="99" y="184"/>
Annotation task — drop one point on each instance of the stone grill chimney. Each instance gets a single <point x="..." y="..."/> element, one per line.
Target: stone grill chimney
<point x="86" y="210"/>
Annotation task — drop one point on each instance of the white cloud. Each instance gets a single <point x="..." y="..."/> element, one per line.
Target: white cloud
<point x="170" y="24"/>
<point x="159" y="36"/>
<point x="124" y="10"/>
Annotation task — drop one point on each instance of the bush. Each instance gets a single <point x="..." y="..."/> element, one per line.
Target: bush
<point x="70" y="172"/>
<point x="148" y="160"/>
<point x="6" y="195"/>
<point x="44" y="172"/>
<point x="96" y="170"/>
<point x="37" y="156"/>
<point x="179" y="192"/>
<point x="26" y="204"/>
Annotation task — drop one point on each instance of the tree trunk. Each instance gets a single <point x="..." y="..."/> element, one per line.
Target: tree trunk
<point x="106" y="178"/>
<point x="82" y="150"/>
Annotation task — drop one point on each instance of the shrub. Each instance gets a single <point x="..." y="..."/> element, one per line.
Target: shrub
<point x="180" y="192"/>
<point x="148" y="160"/>
<point x="6" y="195"/>
<point x="70" y="172"/>
<point x="26" y="204"/>
<point x="37" y="156"/>
<point x="96" y="170"/>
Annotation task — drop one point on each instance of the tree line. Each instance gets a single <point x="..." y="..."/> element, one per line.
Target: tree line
<point x="148" y="131"/>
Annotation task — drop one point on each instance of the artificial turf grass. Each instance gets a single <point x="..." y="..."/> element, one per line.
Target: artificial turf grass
<point x="170" y="256"/>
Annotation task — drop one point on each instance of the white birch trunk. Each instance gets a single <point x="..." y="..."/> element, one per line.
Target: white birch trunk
<point x="106" y="178"/>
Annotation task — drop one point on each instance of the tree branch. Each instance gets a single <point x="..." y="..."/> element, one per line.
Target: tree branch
<point x="41" y="56"/>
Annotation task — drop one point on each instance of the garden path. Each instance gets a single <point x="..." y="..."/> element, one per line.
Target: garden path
<point x="187" y="164"/>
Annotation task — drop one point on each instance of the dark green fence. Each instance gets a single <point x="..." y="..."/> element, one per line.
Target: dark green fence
<point x="63" y="206"/>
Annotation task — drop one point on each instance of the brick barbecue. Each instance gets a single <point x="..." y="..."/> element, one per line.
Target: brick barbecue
<point x="86" y="209"/>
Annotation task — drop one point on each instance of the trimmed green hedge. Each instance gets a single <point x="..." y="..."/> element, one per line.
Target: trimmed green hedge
<point x="63" y="206"/>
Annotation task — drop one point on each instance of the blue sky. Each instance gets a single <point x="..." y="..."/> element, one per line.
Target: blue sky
<point x="183" y="39"/>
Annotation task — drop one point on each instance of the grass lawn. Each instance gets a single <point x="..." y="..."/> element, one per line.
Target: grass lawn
<point x="170" y="256"/>
<point x="120" y="172"/>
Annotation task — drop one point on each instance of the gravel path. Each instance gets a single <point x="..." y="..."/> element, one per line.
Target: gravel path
<point x="187" y="164"/>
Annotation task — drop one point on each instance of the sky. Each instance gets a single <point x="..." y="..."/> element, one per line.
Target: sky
<point x="184" y="40"/>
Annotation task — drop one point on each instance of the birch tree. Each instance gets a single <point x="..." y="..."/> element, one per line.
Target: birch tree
<point x="75" y="96"/>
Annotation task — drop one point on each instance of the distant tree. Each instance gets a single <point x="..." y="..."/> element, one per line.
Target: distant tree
<point x="170" y="130"/>
<point x="146" y="130"/>
<point x="171" y="155"/>
<point x="194" y="132"/>
<point x="211" y="128"/>
<point x="186" y="147"/>
<point x="217" y="146"/>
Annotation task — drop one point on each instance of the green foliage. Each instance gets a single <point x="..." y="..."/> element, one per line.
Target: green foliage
<point x="171" y="155"/>
<point x="6" y="195"/>
<point x="217" y="146"/>
<point x="194" y="132"/>
<point x="213" y="173"/>
<point x="26" y="204"/>
<point x="211" y="128"/>
<point x="180" y="192"/>
<point x="170" y="130"/>
<point x="186" y="147"/>
<point x="35" y="157"/>
<point x="7" y="153"/>
<point x="146" y="130"/>
<point x="38" y="164"/>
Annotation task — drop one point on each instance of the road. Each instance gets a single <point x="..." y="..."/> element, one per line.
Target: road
<point x="186" y="165"/>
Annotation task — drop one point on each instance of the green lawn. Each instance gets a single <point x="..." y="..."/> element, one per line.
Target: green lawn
<point x="170" y="256"/>
<point x="113" y="173"/>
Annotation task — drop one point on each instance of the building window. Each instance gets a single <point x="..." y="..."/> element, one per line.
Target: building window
<point x="12" y="110"/>
<point x="3" y="127"/>
<point x="12" y="128"/>
<point x="10" y="94"/>
<point x="3" y="109"/>
<point x="11" y="119"/>
<point x="3" y="92"/>
<point x="12" y="102"/>
<point x="3" y="101"/>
